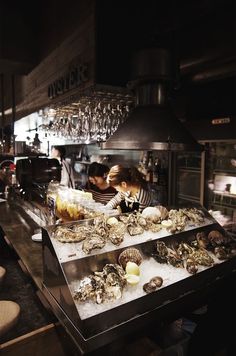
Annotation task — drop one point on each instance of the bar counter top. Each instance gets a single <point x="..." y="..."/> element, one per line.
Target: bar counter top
<point x="18" y="227"/>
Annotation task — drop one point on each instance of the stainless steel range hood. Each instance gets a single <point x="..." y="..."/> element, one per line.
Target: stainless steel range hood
<point x="152" y="125"/>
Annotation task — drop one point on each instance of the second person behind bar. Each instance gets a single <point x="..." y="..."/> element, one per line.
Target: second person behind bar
<point x="133" y="189"/>
<point x="97" y="184"/>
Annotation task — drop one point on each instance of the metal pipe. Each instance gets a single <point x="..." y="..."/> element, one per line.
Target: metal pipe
<point x="2" y="107"/>
<point x="13" y="110"/>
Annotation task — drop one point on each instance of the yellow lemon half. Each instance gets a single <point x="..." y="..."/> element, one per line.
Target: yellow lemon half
<point x="132" y="279"/>
<point x="132" y="268"/>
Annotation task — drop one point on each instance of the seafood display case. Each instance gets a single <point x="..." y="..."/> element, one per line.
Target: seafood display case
<point x="107" y="276"/>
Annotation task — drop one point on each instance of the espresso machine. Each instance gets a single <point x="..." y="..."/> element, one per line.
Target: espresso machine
<point x="34" y="174"/>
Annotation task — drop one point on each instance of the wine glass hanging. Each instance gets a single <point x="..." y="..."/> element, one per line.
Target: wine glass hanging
<point x="85" y="121"/>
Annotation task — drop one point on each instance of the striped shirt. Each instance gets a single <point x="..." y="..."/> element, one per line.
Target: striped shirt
<point x="101" y="196"/>
<point x="143" y="197"/>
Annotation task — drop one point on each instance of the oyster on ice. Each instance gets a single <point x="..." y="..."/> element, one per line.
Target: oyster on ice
<point x="86" y="289"/>
<point x="161" y="252"/>
<point x="92" y="242"/>
<point x="191" y="266"/>
<point x="202" y="257"/>
<point x="221" y="253"/>
<point x="67" y="234"/>
<point x="116" y="233"/>
<point x="102" y="286"/>
<point x="174" y="259"/>
<point x="134" y="229"/>
<point x="202" y="240"/>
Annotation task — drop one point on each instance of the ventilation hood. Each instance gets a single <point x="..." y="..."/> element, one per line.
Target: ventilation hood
<point x="152" y="125"/>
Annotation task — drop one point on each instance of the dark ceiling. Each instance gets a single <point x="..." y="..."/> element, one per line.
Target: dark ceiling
<point x="201" y="35"/>
<point x="30" y="30"/>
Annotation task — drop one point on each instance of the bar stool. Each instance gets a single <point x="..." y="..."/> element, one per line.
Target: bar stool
<point x="9" y="315"/>
<point x="2" y="273"/>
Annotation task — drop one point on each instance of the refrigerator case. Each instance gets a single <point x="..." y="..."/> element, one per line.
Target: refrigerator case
<point x="92" y="325"/>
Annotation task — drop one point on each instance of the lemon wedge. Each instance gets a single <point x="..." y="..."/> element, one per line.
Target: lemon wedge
<point x="166" y="223"/>
<point x="132" y="268"/>
<point x="132" y="279"/>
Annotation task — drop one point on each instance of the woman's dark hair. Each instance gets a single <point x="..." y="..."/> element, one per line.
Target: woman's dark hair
<point x="61" y="150"/>
<point x="97" y="170"/>
<point x="132" y="176"/>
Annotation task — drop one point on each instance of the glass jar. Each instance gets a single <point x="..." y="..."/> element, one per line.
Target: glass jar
<point x="67" y="205"/>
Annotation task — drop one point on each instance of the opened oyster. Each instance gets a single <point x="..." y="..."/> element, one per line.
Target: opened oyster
<point x="221" y="253"/>
<point x="191" y="266"/>
<point x="161" y="252"/>
<point x="102" y="286"/>
<point x="116" y="233"/>
<point x="66" y="234"/>
<point x="174" y="259"/>
<point x="86" y="289"/>
<point x="92" y="242"/>
<point x="134" y="229"/>
<point x="202" y="257"/>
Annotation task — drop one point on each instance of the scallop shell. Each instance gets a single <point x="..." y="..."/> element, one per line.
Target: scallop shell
<point x="164" y="212"/>
<point x="130" y="255"/>
<point x="151" y="213"/>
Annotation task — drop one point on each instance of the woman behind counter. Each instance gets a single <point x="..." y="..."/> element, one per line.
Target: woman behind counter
<point x="132" y="187"/>
<point x="67" y="175"/>
<point x="97" y="184"/>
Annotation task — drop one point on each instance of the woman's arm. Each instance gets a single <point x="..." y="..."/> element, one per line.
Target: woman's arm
<point x="114" y="202"/>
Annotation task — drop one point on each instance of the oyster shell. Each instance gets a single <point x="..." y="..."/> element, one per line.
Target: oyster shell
<point x="202" y="257"/>
<point x="184" y="250"/>
<point x="154" y="227"/>
<point x="86" y="289"/>
<point x="66" y="234"/>
<point x="152" y="214"/>
<point x="164" y="212"/>
<point x="157" y="281"/>
<point x="161" y="252"/>
<point x="130" y="255"/>
<point x="92" y="242"/>
<point x="202" y="240"/>
<point x="191" y="266"/>
<point x="141" y="221"/>
<point x="194" y="215"/>
<point x="217" y="238"/>
<point x="153" y="284"/>
<point x="221" y="253"/>
<point x="134" y="229"/>
<point x="116" y="233"/>
<point x="174" y="259"/>
<point x="149" y="288"/>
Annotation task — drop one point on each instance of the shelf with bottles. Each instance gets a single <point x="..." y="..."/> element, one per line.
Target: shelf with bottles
<point x="153" y="165"/>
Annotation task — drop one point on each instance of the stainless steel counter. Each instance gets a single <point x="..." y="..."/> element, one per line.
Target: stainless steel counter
<point x="17" y="229"/>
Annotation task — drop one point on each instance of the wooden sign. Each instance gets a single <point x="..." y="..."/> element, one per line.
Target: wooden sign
<point x="73" y="78"/>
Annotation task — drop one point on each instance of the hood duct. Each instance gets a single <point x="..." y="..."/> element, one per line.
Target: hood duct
<point x="152" y="125"/>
